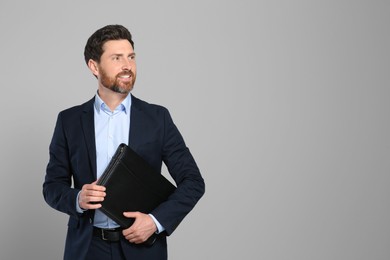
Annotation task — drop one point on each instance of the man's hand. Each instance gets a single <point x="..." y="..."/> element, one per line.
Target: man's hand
<point x="91" y="193"/>
<point x="142" y="228"/>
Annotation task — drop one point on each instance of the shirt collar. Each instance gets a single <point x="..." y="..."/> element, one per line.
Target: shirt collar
<point x="124" y="106"/>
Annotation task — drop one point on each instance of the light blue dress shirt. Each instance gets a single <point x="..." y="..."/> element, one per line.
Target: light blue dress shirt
<point x="111" y="129"/>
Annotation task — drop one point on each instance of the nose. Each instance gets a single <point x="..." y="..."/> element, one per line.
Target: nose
<point x="127" y="64"/>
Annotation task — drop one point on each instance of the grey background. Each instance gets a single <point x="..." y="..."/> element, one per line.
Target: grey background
<point x="284" y="104"/>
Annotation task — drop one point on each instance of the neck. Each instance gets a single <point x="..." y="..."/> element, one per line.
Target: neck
<point x="111" y="99"/>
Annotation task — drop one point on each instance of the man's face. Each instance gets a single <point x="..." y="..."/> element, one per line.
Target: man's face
<point x="117" y="68"/>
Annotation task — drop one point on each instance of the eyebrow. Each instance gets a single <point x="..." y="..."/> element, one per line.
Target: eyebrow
<point x="120" y="54"/>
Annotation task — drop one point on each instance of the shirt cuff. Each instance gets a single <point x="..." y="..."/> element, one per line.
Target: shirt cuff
<point x="160" y="228"/>
<point x="78" y="209"/>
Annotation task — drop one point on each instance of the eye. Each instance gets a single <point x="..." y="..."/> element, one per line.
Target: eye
<point x="132" y="57"/>
<point x="116" y="58"/>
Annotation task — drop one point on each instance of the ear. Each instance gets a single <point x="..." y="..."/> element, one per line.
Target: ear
<point x="92" y="65"/>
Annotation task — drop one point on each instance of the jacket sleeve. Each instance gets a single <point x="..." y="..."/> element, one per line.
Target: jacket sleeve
<point x="184" y="170"/>
<point x="57" y="190"/>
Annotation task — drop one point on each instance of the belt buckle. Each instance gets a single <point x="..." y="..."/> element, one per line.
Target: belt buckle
<point x="103" y="237"/>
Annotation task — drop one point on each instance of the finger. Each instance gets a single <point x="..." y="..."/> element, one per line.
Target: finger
<point x="91" y="201"/>
<point x="134" y="238"/>
<point x="87" y="200"/>
<point x="93" y="186"/>
<point x="91" y="206"/>
<point x="96" y="187"/>
<point x="94" y="200"/>
<point x="95" y="193"/>
<point x="138" y="239"/>
<point x="99" y="187"/>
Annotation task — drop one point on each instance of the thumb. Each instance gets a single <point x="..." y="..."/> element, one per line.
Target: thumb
<point x="130" y="214"/>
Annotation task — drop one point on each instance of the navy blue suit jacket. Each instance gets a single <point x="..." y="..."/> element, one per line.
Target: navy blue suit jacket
<point x="72" y="163"/>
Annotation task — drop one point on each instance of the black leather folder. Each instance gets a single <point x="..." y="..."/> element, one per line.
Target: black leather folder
<point x="132" y="185"/>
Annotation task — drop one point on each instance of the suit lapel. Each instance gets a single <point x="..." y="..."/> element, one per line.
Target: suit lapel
<point x="135" y="135"/>
<point x="88" y="127"/>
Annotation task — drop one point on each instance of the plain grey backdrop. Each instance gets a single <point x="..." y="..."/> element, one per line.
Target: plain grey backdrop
<point x="284" y="105"/>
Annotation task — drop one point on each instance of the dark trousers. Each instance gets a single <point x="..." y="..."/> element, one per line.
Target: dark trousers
<point x="104" y="250"/>
<point x="122" y="250"/>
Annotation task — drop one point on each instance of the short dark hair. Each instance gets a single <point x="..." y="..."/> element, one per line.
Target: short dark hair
<point x="94" y="47"/>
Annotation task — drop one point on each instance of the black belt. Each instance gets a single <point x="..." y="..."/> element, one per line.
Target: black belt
<point x="111" y="235"/>
<point x="114" y="235"/>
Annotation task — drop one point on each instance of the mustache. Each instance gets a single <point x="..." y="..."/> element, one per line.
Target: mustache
<point x="126" y="73"/>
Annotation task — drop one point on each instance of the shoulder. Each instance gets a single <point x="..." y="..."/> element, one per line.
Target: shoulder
<point x="150" y="113"/>
<point x="146" y="106"/>
<point x="77" y="110"/>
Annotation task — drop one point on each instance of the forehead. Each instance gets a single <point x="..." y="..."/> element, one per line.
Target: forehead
<point x="117" y="47"/>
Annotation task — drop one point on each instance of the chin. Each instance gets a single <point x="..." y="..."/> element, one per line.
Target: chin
<point x="121" y="90"/>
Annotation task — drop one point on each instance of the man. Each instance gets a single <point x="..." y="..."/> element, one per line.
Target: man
<point x="86" y="137"/>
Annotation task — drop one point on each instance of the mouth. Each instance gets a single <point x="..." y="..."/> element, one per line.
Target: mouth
<point x="125" y="77"/>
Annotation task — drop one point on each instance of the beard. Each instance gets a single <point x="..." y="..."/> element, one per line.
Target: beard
<point x="115" y="84"/>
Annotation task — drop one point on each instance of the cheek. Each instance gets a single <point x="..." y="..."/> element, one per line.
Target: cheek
<point x="108" y="74"/>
